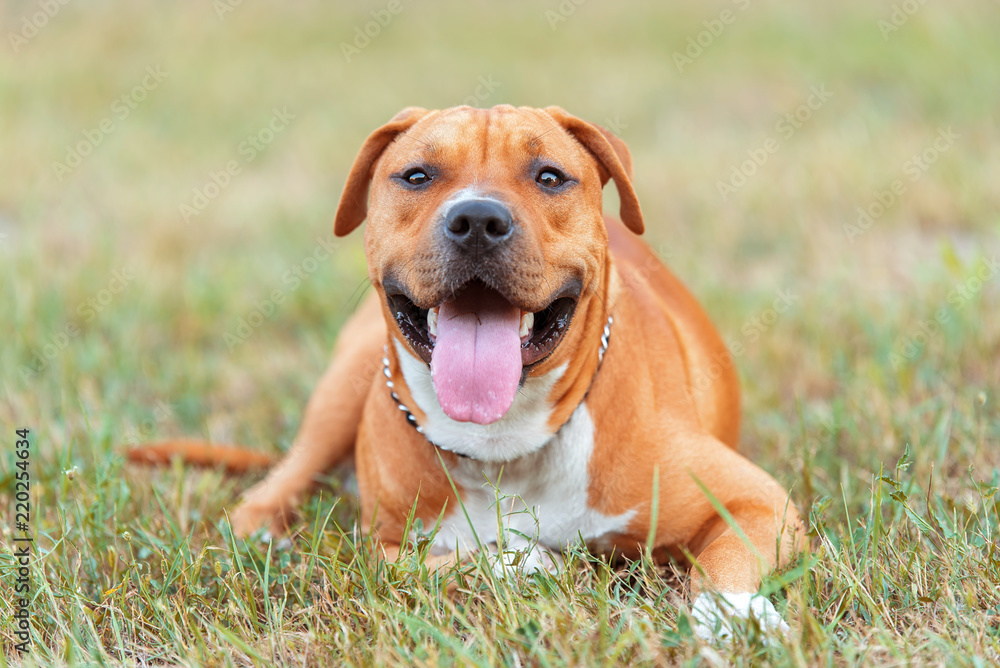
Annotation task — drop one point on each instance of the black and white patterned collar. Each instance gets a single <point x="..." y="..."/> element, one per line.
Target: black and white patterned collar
<point x="605" y="340"/>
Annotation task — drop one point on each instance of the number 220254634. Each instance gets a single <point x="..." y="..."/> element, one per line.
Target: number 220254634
<point x="22" y="481"/>
<point x="22" y="540"/>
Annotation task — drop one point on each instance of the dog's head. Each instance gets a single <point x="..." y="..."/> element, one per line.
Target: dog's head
<point x="485" y="236"/>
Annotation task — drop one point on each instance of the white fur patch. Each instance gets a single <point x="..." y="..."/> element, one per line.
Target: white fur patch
<point x="712" y="611"/>
<point x="530" y="505"/>
<point x="524" y="429"/>
<point x="464" y="195"/>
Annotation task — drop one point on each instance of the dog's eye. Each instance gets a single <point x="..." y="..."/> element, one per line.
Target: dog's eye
<point x="416" y="177"/>
<point x="550" y="178"/>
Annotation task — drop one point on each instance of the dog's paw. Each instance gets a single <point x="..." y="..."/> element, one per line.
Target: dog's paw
<point x="251" y="517"/>
<point x="524" y="559"/>
<point x="713" y="614"/>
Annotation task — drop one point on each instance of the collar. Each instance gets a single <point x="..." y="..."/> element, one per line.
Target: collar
<point x="603" y="348"/>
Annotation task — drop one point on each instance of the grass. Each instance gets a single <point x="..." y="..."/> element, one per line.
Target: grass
<point x="879" y="415"/>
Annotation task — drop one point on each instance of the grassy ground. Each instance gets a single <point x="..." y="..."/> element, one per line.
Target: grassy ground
<point x="873" y="395"/>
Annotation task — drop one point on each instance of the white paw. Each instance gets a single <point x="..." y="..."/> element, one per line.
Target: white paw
<point x="713" y="614"/>
<point x="282" y="543"/>
<point x="525" y="558"/>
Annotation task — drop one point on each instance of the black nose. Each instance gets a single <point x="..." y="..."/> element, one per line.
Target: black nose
<point x="479" y="225"/>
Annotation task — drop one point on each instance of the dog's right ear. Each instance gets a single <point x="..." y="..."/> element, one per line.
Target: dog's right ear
<point x="353" y="207"/>
<point x="613" y="159"/>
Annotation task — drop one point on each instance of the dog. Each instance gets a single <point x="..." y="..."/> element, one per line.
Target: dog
<point x="523" y="351"/>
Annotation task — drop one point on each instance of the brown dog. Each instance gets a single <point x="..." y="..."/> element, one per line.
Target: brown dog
<point x="538" y="356"/>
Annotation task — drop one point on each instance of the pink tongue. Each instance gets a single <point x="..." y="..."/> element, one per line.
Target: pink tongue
<point x="476" y="362"/>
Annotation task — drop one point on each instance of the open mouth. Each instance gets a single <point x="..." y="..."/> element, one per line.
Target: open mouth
<point x="540" y="331"/>
<point x="479" y="345"/>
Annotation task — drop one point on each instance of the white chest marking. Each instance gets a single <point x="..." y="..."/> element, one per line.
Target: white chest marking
<point x="539" y="498"/>
<point x="524" y="429"/>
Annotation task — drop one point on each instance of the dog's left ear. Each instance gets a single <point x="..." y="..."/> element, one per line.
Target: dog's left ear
<point x="613" y="159"/>
<point x="353" y="207"/>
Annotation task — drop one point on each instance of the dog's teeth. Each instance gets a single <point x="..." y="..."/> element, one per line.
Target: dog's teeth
<point x="432" y="323"/>
<point x="527" y="323"/>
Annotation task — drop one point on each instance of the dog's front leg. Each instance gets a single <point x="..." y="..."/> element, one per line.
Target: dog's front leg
<point x="727" y="572"/>
<point x="329" y="426"/>
<point x="743" y="526"/>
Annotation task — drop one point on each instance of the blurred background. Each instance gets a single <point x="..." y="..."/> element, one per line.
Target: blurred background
<point x="824" y="177"/>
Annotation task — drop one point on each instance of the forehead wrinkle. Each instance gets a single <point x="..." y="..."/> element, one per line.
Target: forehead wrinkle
<point x="485" y="139"/>
<point x="535" y="144"/>
<point x="501" y="151"/>
<point x="510" y="138"/>
<point x="431" y="145"/>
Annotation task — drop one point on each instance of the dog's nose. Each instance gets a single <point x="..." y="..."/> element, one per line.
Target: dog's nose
<point x="481" y="225"/>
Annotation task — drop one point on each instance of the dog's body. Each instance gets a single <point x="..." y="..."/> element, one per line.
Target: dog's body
<point x="497" y="282"/>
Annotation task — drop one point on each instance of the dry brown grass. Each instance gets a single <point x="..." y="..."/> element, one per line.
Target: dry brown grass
<point x="906" y="579"/>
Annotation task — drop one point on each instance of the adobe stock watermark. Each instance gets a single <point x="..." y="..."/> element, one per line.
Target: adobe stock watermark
<point x="365" y="33"/>
<point x="248" y="149"/>
<point x="484" y="89"/>
<point x="87" y="311"/>
<point x="562" y="12"/>
<point x="135" y="434"/>
<point x="785" y="127"/>
<point x="653" y="263"/>
<point x="752" y="329"/>
<point x="633" y="274"/>
<point x="35" y="23"/>
<point x="907" y="347"/>
<point x="361" y="379"/>
<point x="901" y="13"/>
<point x="223" y="7"/>
<point x="914" y="168"/>
<point x="264" y="309"/>
<point x="827" y="430"/>
<point x="697" y="44"/>
<point x="615" y="125"/>
<point x="121" y="108"/>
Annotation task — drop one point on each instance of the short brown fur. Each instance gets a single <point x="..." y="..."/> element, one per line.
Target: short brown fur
<point x="664" y="409"/>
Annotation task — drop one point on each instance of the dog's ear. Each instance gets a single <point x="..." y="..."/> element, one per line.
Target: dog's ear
<point x="613" y="159"/>
<point x="353" y="207"/>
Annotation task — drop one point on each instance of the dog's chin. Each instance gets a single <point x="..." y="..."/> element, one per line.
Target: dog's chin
<point x="480" y="345"/>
